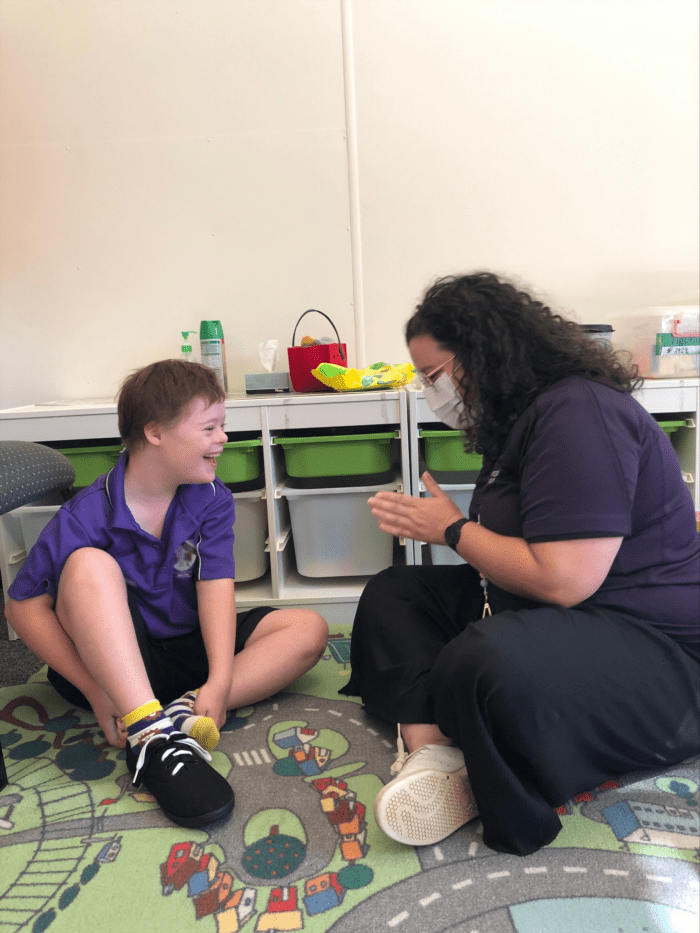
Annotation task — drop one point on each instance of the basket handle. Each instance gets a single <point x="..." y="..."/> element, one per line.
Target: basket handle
<point x="675" y="332"/>
<point x="315" y="311"/>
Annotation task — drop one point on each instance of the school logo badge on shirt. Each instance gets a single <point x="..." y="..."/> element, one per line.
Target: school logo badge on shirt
<point x="185" y="557"/>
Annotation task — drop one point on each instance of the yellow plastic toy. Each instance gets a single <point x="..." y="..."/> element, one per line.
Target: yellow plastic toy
<point x="376" y="376"/>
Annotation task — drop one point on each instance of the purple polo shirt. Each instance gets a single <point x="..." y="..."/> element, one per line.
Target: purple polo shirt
<point x="196" y="544"/>
<point x="587" y="461"/>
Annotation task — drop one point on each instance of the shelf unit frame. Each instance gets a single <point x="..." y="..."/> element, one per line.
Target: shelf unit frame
<point x="404" y="410"/>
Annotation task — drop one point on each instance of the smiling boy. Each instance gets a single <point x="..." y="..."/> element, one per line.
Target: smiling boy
<point x="128" y="596"/>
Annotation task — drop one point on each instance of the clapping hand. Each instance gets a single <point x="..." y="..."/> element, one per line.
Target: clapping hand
<point x="420" y="518"/>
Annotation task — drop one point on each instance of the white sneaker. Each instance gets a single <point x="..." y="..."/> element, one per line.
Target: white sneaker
<point x="430" y="798"/>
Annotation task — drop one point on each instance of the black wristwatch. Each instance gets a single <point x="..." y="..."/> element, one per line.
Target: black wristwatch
<point x="454" y="531"/>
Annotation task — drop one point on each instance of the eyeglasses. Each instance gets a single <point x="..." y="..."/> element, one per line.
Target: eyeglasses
<point x="426" y="379"/>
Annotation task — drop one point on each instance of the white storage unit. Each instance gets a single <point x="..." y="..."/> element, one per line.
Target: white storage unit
<point x="406" y="411"/>
<point x="335" y="597"/>
<point x="666" y="399"/>
<point x="670" y="399"/>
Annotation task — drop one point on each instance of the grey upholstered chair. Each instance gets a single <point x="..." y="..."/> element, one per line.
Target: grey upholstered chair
<point x="28" y="472"/>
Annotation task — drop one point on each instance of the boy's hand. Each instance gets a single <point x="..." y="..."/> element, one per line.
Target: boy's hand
<point x="108" y="719"/>
<point x="212" y="701"/>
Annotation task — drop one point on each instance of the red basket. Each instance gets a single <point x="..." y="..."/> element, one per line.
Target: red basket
<point x="303" y="359"/>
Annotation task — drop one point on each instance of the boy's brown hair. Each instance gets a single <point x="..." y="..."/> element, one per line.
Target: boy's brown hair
<point x="159" y="393"/>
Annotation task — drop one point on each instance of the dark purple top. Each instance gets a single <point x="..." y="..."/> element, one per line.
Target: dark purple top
<point x="587" y="461"/>
<point x="197" y="544"/>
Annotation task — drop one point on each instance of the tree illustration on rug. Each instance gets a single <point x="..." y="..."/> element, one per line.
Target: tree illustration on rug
<point x="275" y="856"/>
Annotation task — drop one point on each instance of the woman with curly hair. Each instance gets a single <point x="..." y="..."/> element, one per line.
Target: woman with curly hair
<point x="564" y="652"/>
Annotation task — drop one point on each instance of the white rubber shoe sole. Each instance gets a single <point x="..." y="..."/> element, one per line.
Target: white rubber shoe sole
<point x="429" y="800"/>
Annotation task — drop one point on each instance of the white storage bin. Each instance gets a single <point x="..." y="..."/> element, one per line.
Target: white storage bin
<point x="250" y="535"/>
<point x="335" y="533"/>
<point x="462" y="497"/>
<point x="33" y="519"/>
<point x="635" y="331"/>
<point x="19" y="530"/>
<point x="12" y="553"/>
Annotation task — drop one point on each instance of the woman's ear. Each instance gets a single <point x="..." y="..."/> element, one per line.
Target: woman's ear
<point x="153" y="432"/>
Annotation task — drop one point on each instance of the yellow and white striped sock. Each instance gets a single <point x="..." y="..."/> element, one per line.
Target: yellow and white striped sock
<point x="201" y="728"/>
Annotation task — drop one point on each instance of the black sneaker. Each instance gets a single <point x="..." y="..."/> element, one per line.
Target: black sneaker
<point x="173" y="767"/>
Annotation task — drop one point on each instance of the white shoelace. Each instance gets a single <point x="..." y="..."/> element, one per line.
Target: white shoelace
<point x="401" y="757"/>
<point x="173" y="750"/>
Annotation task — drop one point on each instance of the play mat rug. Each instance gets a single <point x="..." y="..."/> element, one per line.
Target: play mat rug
<point x="82" y="850"/>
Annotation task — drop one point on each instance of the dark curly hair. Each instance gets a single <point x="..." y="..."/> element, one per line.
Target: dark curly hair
<point x="511" y="347"/>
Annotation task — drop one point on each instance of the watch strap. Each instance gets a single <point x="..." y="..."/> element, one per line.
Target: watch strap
<point x="453" y="532"/>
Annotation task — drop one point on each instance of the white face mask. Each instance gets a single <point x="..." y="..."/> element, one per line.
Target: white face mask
<point x="444" y="400"/>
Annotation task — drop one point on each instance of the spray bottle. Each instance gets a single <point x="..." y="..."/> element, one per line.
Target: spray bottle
<point x="211" y="341"/>
<point x="186" y="348"/>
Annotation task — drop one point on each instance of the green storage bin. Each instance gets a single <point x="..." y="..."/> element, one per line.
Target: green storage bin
<point x="444" y="450"/>
<point x="340" y="455"/>
<point x="670" y="427"/>
<point x="91" y="462"/>
<point x="239" y="461"/>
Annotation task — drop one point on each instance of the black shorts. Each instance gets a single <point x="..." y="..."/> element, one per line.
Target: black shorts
<point x="174" y="665"/>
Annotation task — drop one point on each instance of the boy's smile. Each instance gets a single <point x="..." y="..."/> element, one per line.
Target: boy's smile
<point x="190" y="447"/>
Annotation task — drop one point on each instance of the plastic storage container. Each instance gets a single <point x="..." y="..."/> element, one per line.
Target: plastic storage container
<point x="335" y="534"/>
<point x="670" y="427"/>
<point x="636" y="332"/>
<point x="33" y="519"/>
<point x="250" y="535"/>
<point x="444" y="450"/>
<point x="340" y="455"/>
<point x="91" y="462"/>
<point x="441" y="553"/>
<point x="239" y="461"/>
<point x="19" y="530"/>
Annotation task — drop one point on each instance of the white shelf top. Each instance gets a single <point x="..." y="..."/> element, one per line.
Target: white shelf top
<point x="72" y="419"/>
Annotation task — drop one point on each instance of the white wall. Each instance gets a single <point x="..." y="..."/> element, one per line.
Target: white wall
<point x="553" y="140"/>
<point x="167" y="161"/>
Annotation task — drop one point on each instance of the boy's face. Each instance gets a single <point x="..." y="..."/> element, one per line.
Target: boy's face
<point x="189" y="447"/>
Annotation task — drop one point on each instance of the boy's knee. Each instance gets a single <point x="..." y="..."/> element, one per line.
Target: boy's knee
<point x="316" y="629"/>
<point x="87" y="561"/>
<point x="86" y="571"/>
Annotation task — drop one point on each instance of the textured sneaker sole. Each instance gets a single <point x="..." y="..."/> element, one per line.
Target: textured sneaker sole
<point x="426" y="807"/>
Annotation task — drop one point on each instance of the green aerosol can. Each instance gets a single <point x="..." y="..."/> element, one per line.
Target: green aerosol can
<point x="211" y="341"/>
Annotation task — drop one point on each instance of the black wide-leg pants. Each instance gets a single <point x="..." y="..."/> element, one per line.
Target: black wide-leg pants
<point x="544" y="703"/>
